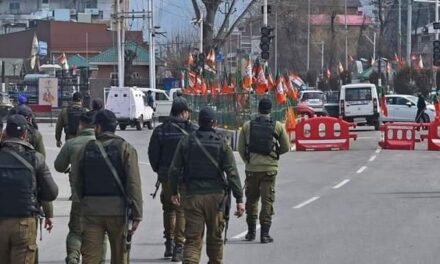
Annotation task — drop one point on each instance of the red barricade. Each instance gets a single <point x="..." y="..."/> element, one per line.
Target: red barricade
<point x="323" y="133"/>
<point x="433" y="136"/>
<point x="399" y="136"/>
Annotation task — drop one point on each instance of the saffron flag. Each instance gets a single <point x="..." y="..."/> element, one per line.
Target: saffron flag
<point x="62" y="59"/>
<point x="269" y="77"/>
<point x="290" y="119"/>
<point x="383" y="105"/>
<point x="280" y="91"/>
<point x="262" y="86"/>
<point x="290" y="90"/>
<point x="247" y="80"/>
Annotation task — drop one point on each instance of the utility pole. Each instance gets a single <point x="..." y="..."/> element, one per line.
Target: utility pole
<point x="346" y="37"/>
<point x="201" y="33"/>
<point x="408" y="34"/>
<point x="308" y="36"/>
<point x="152" y="33"/>
<point x="399" y="47"/>
<point x="265" y="13"/>
<point x="119" y="40"/>
<point x="276" y="38"/>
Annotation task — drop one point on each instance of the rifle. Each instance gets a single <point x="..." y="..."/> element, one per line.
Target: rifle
<point x="129" y="229"/>
<point x="227" y="212"/>
<point x="157" y="185"/>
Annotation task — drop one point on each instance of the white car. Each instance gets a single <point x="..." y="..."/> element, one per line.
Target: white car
<point x="314" y="99"/>
<point x="403" y="108"/>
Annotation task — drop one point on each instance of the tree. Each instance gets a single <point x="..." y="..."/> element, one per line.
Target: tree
<point x="212" y="39"/>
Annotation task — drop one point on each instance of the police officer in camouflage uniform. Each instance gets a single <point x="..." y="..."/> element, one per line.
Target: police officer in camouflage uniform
<point x="108" y="185"/>
<point x="260" y="144"/>
<point x="68" y="119"/>
<point x="204" y="157"/>
<point x="66" y="158"/>
<point x="161" y="150"/>
<point x="24" y="180"/>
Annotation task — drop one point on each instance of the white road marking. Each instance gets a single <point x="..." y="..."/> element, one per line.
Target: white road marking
<point x="378" y="151"/>
<point x="309" y="201"/>
<point x="361" y="169"/>
<point x="372" y="158"/>
<point x="342" y="183"/>
<point x="144" y="163"/>
<point x="242" y="234"/>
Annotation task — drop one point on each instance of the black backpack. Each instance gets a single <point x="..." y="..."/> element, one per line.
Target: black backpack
<point x="73" y="114"/>
<point x="261" y="138"/>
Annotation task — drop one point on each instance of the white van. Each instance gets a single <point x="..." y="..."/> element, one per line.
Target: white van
<point x="128" y="105"/>
<point x="359" y="103"/>
<point x="162" y="100"/>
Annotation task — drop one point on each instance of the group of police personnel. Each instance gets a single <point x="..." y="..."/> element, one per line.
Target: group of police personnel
<point x="196" y="169"/>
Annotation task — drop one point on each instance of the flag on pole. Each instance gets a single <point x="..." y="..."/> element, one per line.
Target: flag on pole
<point x="269" y="77"/>
<point x="247" y="80"/>
<point x="34" y="52"/>
<point x="280" y="91"/>
<point x="62" y="59"/>
<point x="210" y="63"/>
<point x="262" y="84"/>
<point x="290" y="119"/>
<point x="340" y="67"/>
<point x="420" y="64"/>
<point x="190" y="60"/>
<point x="383" y="105"/>
<point x="290" y="90"/>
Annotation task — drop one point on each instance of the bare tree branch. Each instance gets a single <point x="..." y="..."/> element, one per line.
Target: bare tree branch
<point x="221" y="41"/>
<point x="228" y="14"/>
<point x="196" y="9"/>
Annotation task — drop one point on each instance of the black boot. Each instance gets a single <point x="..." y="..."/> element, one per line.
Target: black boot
<point x="177" y="254"/>
<point x="169" y="248"/>
<point x="252" y="230"/>
<point x="265" y="237"/>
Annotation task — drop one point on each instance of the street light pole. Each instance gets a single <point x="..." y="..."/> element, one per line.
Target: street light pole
<point x="346" y="38"/>
<point x="308" y="37"/>
<point x="152" y="65"/>
<point x="265" y="13"/>
<point x="408" y="34"/>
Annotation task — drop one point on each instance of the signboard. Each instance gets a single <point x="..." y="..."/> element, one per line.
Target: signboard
<point x="42" y="48"/>
<point x="48" y="91"/>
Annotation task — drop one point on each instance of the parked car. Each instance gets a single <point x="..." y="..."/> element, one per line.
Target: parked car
<point x="403" y="108"/>
<point x="359" y="103"/>
<point x="314" y="99"/>
<point x="331" y="104"/>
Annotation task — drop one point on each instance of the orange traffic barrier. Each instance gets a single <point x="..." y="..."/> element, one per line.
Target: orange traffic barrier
<point x="433" y="135"/>
<point x="323" y="133"/>
<point x="400" y="136"/>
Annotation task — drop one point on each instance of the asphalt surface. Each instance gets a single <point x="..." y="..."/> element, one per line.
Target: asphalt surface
<point x="359" y="206"/>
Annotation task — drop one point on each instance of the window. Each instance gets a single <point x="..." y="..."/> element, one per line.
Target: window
<point x="92" y="4"/>
<point x="308" y="96"/>
<point x="391" y="100"/>
<point x="402" y="101"/>
<point x="45" y="2"/>
<point x="358" y="94"/>
<point x="14" y="6"/>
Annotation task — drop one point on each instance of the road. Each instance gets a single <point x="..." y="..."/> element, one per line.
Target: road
<point x="360" y="206"/>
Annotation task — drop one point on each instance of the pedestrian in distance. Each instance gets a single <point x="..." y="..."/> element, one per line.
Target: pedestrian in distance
<point x="68" y="119"/>
<point x="25" y="179"/>
<point x="108" y="186"/>
<point x="204" y="157"/>
<point x="421" y="107"/>
<point x="260" y="144"/>
<point x="65" y="159"/>
<point x="163" y="144"/>
<point x="150" y="100"/>
<point x="97" y="104"/>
